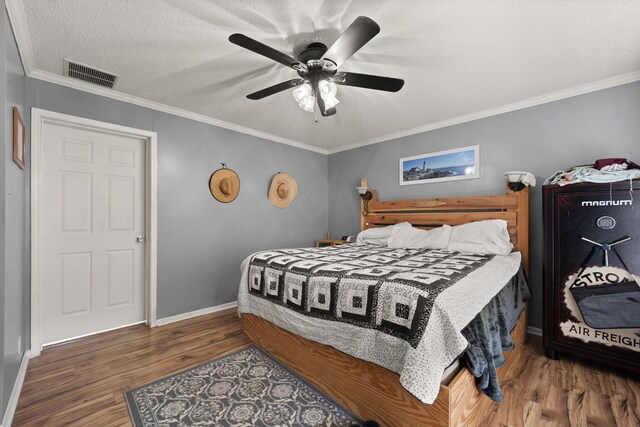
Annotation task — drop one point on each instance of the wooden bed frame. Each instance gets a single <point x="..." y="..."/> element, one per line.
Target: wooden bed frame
<point x="373" y="392"/>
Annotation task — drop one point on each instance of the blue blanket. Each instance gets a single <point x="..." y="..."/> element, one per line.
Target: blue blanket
<point x="489" y="334"/>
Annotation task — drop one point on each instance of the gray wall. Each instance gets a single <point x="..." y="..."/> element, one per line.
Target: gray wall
<point x="202" y="242"/>
<point x="3" y="216"/>
<point x="16" y="221"/>
<point x="539" y="139"/>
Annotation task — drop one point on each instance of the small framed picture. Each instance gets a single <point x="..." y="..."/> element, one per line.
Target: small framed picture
<point x="448" y="165"/>
<point x="19" y="141"/>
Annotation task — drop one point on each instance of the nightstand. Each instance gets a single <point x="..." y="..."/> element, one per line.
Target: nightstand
<point x="329" y="242"/>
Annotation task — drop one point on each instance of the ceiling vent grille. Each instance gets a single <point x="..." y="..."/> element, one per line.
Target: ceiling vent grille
<point x="89" y="74"/>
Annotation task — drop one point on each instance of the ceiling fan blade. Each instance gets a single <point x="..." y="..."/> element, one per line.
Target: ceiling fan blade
<point x="368" y="81"/>
<point x="275" y="89"/>
<point x="354" y="37"/>
<point x="264" y="50"/>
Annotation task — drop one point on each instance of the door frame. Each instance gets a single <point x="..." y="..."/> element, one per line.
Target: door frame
<point x="39" y="118"/>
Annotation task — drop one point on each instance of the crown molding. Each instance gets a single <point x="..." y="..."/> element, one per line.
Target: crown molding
<point x="531" y="102"/>
<point x="79" y="85"/>
<point x="18" y="20"/>
<point x="157" y="106"/>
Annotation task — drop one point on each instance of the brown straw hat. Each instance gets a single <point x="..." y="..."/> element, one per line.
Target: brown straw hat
<point x="224" y="184"/>
<point x="283" y="190"/>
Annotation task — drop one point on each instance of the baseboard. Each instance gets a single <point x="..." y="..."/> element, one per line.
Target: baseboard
<point x="189" y="315"/>
<point x="12" y="404"/>
<point x="534" y="331"/>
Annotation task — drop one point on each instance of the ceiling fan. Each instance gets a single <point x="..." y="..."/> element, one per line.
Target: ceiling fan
<point x="317" y="67"/>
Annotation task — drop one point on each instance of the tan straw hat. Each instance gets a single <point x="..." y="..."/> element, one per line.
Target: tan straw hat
<point x="224" y="184"/>
<point x="283" y="190"/>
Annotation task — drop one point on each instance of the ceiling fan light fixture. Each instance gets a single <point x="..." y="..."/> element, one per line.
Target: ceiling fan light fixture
<point x="302" y="91"/>
<point x="328" y="91"/>
<point x="327" y="88"/>
<point x="317" y="67"/>
<point x="329" y="102"/>
<point x="308" y="103"/>
<point x="304" y="96"/>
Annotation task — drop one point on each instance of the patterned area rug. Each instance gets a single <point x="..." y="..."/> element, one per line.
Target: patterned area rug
<point x="246" y="388"/>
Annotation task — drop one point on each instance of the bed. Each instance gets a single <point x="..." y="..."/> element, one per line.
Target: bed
<point x="369" y="389"/>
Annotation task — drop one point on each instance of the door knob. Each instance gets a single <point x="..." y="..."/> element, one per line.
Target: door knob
<point x="140" y="239"/>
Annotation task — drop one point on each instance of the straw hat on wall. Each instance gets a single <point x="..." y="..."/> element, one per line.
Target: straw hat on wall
<point x="224" y="185"/>
<point x="283" y="190"/>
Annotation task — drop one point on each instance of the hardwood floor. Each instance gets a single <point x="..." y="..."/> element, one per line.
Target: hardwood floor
<point x="565" y="392"/>
<point x="82" y="383"/>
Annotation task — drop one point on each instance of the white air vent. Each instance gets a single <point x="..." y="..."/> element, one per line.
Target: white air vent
<point x="89" y="74"/>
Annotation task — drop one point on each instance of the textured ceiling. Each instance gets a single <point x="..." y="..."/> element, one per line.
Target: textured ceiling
<point x="456" y="57"/>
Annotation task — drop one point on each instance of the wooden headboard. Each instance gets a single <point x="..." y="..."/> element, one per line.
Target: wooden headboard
<point x="430" y="213"/>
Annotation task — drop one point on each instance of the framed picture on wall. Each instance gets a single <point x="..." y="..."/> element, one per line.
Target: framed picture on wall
<point x="19" y="141"/>
<point x="448" y="165"/>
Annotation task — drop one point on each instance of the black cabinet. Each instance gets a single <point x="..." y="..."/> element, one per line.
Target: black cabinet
<point x="592" y="263"/>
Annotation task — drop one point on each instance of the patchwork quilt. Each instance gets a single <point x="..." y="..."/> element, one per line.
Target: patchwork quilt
<point x="403" y="309"/>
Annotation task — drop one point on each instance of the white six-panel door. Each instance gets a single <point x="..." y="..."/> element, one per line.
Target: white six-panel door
<point x="91" y="205"/>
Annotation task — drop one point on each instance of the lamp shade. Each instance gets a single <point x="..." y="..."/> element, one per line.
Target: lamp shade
<point x="362" y="190"/>
<point x="526" y="178"/>
<point x="328" y="91"/>
<point x="304" y="96"/>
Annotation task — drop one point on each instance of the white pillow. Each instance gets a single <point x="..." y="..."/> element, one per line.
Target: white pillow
<point x="379" y="236"/>
<point x="414" y="238"/>
<point x="481" y="237"/>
